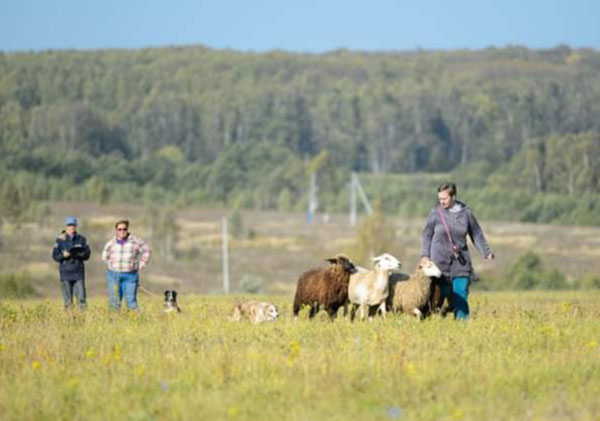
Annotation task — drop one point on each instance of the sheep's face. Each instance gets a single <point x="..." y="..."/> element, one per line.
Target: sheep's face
<point x="429" y="269"/>
<point x="387" y="262"/>
<point x="344" y="262"/>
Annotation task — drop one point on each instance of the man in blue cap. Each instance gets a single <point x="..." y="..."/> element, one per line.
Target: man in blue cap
<point x="70" y="251"/>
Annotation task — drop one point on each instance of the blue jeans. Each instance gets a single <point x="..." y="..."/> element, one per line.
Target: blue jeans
<point x="121" y="284"/>
<point x="458" y="297"/>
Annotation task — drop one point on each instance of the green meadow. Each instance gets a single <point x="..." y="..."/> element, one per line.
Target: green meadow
<point x="529" y="355"/>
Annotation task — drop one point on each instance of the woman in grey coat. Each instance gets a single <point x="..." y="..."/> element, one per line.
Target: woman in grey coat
<point x="445" y="242"/>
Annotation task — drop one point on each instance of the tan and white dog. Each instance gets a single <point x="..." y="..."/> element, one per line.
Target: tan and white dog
<point x="255" y="311"/>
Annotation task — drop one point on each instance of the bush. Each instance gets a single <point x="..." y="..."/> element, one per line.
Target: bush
<point x="589" y="281"/>
<point x="16" y="285"/>
<point x="552" y="279"/>
<point x="528" y="272"/>
<point x="375" y="235"/>
<point x="251" y="284"/>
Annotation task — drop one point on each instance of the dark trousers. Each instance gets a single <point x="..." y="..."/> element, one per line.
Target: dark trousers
<point x="74" y="288"/>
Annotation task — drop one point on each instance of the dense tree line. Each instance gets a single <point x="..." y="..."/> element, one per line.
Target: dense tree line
<point x="195" y="125"/>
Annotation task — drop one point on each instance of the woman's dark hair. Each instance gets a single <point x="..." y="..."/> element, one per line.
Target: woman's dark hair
<point x="451" y="187"/>
<point x="122" y="221"/>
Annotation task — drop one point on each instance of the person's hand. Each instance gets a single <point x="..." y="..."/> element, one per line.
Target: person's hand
<point x="141" y="267"/>
<point x="66" y="254"/>
<point x="490" y="256"/>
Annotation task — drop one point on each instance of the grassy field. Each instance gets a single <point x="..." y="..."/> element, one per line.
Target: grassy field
<point x="521" y="356"/>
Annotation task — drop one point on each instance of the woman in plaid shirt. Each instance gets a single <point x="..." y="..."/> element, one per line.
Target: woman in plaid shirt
<point x="125" y="256"/>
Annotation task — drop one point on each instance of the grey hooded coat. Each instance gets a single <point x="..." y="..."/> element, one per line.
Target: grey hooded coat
<point x="437" y="247"/>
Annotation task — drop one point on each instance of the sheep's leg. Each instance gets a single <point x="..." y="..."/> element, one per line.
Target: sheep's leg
<point x="313" y="311"/>
<point x="382" y="309"/>
<point x="435" y="295"/>
<point x="296" y="310"/>
<point x="332" y="311"/>
<point x="451" y="307"/>
<point x="372" y="312"/>
<point x="362" y="312"/>
<point x="446" y="308"/>
<point x="352" y="312"/>
<point x="426" y="309"/>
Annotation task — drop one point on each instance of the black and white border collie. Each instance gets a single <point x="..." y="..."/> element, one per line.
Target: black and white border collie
<point x="171" y="302"/>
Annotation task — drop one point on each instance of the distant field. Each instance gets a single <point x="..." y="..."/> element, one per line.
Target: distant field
<point x="273" y="248"/>
<point x="522" y="356"/>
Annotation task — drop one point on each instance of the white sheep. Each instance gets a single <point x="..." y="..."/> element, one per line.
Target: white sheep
<point x="410" y="294"/>
<point x="370" y="288"/>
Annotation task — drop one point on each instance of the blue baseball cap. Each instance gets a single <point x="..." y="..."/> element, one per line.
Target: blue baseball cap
<point x="71" y="220"/>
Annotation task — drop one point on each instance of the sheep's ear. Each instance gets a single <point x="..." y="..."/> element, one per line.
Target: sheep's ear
<point x="331" y="260"/>
<point x="166" y="293"/>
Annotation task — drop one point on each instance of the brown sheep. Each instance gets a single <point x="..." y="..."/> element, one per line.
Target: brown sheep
<point x="411" y="294"/>
<point x="327" y="287"/>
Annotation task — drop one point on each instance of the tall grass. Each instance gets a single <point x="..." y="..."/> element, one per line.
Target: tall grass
<point x="521" y="356"/>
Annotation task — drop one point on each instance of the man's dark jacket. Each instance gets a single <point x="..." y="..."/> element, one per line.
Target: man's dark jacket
<point x="71" y="268"/>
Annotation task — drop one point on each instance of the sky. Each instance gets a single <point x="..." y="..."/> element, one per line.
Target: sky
<point x="298" y="26"/>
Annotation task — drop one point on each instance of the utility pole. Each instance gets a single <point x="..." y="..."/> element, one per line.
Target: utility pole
<point x="225" y="256"/>
<point x="355" y="187"/>
<point x="363" y="196"/>
<point x="352" y="201"/>
<point x="313" y="201"/>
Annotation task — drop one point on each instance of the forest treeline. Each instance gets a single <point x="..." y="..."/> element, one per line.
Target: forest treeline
<point x="517" y="128"/>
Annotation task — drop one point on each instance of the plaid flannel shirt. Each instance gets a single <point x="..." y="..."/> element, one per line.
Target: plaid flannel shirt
<point x="131" y="256"/>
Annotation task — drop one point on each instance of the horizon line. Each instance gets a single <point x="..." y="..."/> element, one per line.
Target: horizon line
<point x="416" y="49"/>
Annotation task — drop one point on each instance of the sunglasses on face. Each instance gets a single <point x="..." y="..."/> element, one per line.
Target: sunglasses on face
<point x="121" y="229"/>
